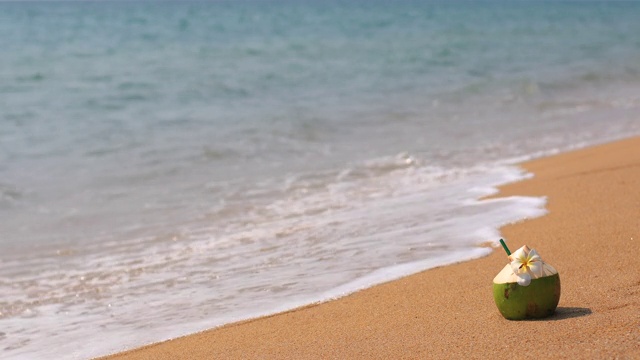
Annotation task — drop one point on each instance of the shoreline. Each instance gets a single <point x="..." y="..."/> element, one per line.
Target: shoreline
<point x="449" y="310"/>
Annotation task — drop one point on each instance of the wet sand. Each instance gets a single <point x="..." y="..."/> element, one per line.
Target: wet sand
<point x="591" y="236"/>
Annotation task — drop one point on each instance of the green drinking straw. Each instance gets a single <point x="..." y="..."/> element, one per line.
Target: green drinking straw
<point x="504" y="246"/>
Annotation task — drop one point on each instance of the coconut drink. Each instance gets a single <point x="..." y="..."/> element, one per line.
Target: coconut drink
<point x="527" y="287"/>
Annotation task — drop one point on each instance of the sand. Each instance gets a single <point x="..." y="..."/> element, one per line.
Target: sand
<point x="591" y="235"/>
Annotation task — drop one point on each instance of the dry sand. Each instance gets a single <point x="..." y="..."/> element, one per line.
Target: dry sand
<point x="591" y="235"/>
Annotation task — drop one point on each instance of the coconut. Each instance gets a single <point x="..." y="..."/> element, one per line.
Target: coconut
<point x="537" y="300"/>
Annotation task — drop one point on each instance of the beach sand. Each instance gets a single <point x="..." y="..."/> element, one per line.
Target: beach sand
<point x="591" y="235"/>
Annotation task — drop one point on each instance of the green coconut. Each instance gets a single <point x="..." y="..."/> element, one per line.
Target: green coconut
<point x="539" y="299"/>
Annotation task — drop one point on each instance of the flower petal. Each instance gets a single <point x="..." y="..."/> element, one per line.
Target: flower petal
<point x="519" y="257"/>
<point x="520" y="253"/>
<point x="515" y="266"/>
<point x="533" y="255"/>
<point x="524" y="279"/>
<point x="537" y="269"/>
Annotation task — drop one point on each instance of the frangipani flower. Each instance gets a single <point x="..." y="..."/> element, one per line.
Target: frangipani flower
<point x="527" y="265"/>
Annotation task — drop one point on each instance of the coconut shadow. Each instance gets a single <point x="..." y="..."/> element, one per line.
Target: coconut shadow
<point x="563" y="312"/>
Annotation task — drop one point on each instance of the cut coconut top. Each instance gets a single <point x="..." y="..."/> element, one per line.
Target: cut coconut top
<point x="506" y="275"/>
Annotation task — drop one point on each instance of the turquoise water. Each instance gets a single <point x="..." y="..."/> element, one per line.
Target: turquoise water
<point x="250" y="156"/>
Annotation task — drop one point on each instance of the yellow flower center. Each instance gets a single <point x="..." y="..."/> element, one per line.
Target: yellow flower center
<point x="526" y="264"/>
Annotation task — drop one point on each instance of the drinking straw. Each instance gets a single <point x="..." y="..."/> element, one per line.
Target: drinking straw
<point x="504" y="246"/>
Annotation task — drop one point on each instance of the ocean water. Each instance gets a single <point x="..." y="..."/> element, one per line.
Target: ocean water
<point x="167" y="167"/>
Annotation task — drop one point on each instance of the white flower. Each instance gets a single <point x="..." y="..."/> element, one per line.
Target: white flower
<point x="526" y="265"/>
